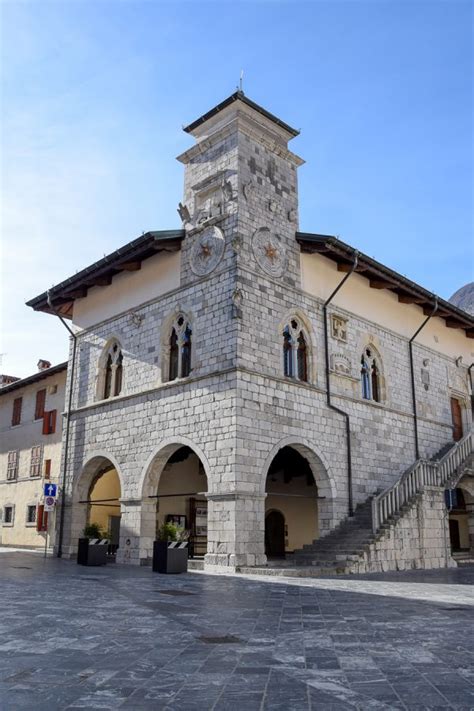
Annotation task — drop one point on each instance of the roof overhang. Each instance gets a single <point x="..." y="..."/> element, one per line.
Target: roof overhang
<point x="35" y="378"/>
<point x="240" y="96"/>
<point x="126" y="259"/>
<point x="381" y="277"/>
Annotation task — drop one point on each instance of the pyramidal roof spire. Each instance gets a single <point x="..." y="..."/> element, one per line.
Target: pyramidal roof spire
<point x="239" y="96"/>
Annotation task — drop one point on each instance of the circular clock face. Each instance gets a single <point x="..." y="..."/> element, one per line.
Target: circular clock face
<point x="269" y="252"/>
<point x="207" y="250"/>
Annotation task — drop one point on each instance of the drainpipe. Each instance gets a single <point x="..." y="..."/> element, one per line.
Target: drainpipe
<point x="68" y="417"/>
<point x="469" y="370"/>
<point x="412" y="372"/>
<point x="328" y="384"/>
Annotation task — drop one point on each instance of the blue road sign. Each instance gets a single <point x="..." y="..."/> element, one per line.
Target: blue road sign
<point x="50" y="489"/>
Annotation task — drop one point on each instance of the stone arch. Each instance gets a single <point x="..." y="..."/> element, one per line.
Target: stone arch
<point x="149" y="483"/>
<point x="90" y="471"/>
<point x="322" y="475"/>
<point x="308" y="331"/>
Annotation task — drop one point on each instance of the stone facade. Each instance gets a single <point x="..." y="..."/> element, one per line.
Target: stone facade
<point x="240" y="282"/>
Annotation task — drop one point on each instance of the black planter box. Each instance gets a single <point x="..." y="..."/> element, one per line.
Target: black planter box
<point x="169" y="560"/>
<point x="91" y="553"/>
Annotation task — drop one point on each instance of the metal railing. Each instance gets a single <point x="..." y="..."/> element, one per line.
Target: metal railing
<point x="422" y="473"/>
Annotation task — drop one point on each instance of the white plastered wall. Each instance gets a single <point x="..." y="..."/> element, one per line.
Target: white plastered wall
<point x="158" y="275"/>
<point x="320" y="277"/>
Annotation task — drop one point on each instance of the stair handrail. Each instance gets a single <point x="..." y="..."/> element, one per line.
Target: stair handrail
<point x="423" y="472"/>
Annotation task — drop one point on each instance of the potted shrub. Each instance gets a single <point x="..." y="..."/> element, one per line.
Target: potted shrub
<point x="170" y="550"/>
<point x="89" y="551"/>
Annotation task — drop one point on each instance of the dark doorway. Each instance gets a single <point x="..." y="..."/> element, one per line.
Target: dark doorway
<point x="454" y="535"/>
<point x="275" y="534"/>
<point x="456" y="415"/>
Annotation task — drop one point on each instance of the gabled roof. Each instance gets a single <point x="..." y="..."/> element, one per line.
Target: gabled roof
<point x="35" y="378"/>
<point x="381" y="277"/>
<point x="240" y="96"/>
<point x="101" y="273"/>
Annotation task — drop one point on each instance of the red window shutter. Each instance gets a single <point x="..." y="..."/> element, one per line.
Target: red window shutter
<point x="16" y="415"/>
<point x="46" y="422"/>
<point x="47" y="468"/>
<point x="52" y="422"/>
<point x="39" y="517"/>
<point x="40" y="403"/>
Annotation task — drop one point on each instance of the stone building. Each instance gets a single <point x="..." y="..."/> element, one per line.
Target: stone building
<point x="30" y="453"/>
<point x="276" y="392"/>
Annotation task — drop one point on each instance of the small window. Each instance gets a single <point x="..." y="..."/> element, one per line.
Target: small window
<point x="31" y="514"/>
<point x="16" y="414"/>
<point x="12" y="465"/>
<point x="370" y="376"/>
<point x="36" y="457"/>
<point x="49" y="422"/>
<point x="8" y="514"/>
<point x="40" y="403"/>
<point x="295" y="351"/>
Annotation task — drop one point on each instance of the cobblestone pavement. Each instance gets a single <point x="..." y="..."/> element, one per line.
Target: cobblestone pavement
<point x="126" y="638"/>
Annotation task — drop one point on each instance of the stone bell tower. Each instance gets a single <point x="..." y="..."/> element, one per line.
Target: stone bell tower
<point x="240" y="192"/>
<point x="240" y="215"/>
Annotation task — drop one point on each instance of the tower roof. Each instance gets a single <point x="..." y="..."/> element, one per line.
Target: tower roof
<point x="240" y="96"/>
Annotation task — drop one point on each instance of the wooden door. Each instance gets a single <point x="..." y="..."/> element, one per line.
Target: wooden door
<point x="275" y="534"/>
<point x="456" y="415"/>
<point x="454" y="534"/>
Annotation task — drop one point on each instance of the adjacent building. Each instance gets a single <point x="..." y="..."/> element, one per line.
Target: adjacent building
<point x="30" y="454"/>
<point x="277" y="393"/>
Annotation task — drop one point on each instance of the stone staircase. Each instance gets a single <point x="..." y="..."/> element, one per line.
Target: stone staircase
<point x="359" y="544"/>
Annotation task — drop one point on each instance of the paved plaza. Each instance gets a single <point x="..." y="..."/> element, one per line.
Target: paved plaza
<point x="126" y="638"/>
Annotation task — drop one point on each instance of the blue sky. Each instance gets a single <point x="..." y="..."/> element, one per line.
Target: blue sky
<point x="95" y="94"/>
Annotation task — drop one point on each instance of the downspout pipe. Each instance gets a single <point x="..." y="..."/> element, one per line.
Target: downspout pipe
<point x="68" y="419"/>
<point x="412" y="373"/>
<point x="328" y="383"/>
<point x="469" y="370"/>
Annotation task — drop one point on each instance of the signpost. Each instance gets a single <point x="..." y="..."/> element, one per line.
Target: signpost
<point x="50" y="490"/>
<point x="50" y="493"/>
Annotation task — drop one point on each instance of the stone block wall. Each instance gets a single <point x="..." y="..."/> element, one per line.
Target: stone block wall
<point x="418" y="539"/>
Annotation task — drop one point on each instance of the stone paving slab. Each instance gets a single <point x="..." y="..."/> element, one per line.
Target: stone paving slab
<point x="125" y="638"/>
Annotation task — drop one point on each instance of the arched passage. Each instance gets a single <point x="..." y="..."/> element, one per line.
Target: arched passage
<point x="297" y="486"/>
<point x="174" y="491"/>
<point x="96" y="499"/>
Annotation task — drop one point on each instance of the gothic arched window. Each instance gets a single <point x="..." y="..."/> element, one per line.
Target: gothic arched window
<point x="301" y="358"/>
<point x="295" y="351"/>
<point x="174" y="356"/>
<point x="179" y="349"/>
<point x="287" y="353"/>
<point x="111" y="371"/>
<point x="370" y="376"/>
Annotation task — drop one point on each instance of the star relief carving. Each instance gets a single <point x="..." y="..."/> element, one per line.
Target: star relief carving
<point x="269" y="252"/>
<point x="207" y="250"/>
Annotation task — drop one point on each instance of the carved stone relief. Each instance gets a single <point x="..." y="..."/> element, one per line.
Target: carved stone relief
<point x="269" y="252"/>
<point x="249" y="190"/>
<point x="339" y="327"/>
<point x="340" y="364"/>
<point x="207" y="250"/>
